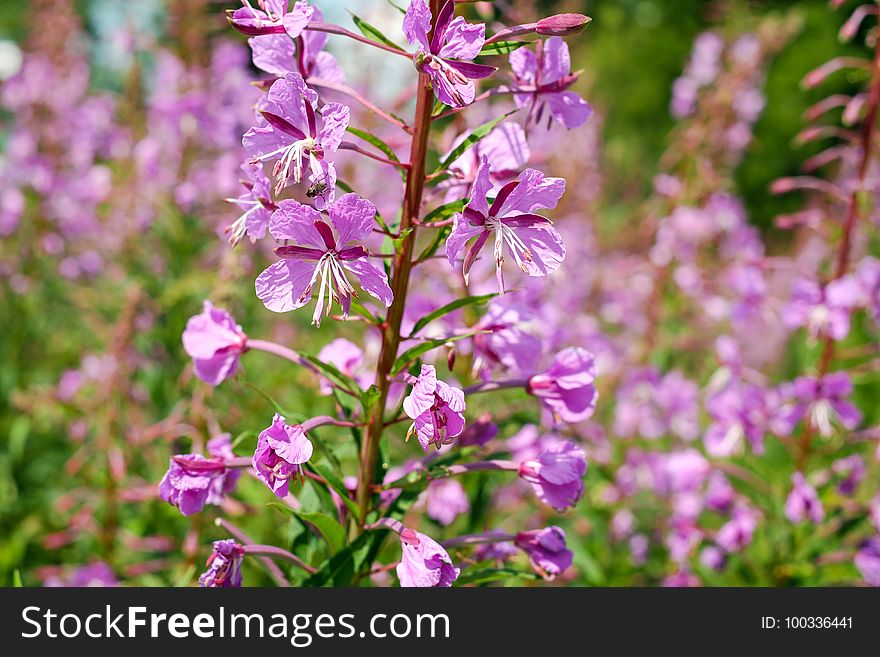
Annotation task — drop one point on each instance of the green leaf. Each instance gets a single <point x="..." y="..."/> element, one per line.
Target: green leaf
<point x="428" y="345"/>
<point x="370" y="138"/>
<point x="330" y="530"/>
<point x="335" y="481"/>
<point x="396" y="6"/>
<point x="335" y="376"/>
<point x="448" y="308"/>
<point x="326" y="450"/>
<point x="16" y="579"/>
<point x="372" y="32"/>
<point x="486" y="575"/>
<point x="240" y="438"/>
<point x="443" y="212"/>
<point x="501" y="48"/>
<point x="339" y="569"/>
<point x="397" y="242"/>
<point x="470" y="140"/>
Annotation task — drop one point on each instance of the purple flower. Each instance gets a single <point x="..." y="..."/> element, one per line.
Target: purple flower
<point x="803" y="502"/>
<point x="719" y="493"/>
<point x="436" y="408"/>
<point x="215" y="343"/>
<point x="566" y="387"/>
<point x="867" y="560"/>
<point x="651" y="405"/>
<point x="738" y="531"/>
<point x="445" y="57"/>
<point x="681" y="579"/>
<point x="542" y="82"/>
<point x="852" y="469"/>
<point x="297" y="138"/>
<point x="220" y="447"/>
<point x="546" y="550"/>
<point x="507" y="345"/>
<point x="713" y="557"/>
<point x="93" y="575"/>
<point x="424" y="562"/>
<point x="557" y="475"/>
<point x="868" y="276"/>
<point x="281" y="450"/>
<point x="507" y="151"/>
<point x="346" y="357"/>
<point x="256" y="204"/>
<point x="224" y="566"/>
<point x="316" y="250"/>
<point x="272" y="17"/>
<point x="445" y="499"/>
<point x="739" y="412"/>
<point x="820" y="400"/>
<point x="192" y="481"/>
<point x="479" y="432"/>
<point x="276" y="54"/>
<point x="822" y="311"/>
<point x="535" y="245"/>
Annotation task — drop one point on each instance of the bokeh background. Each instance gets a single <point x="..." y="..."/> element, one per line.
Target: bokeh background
<point x="129" y="116"/>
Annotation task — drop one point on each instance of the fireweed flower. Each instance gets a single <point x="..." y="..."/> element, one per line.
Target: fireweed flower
<point x="297" y="138"/>
<point x="436" y="408"/>
<point x="316" y="249"/>
<point x="820" y="401"/>
<point x="220" y="447"/>
<point x="535" y="245"/>
<point x="281" y="451"/>
<point x="803" y="502"/>
<point x="566" y="387"/>
<point x="191" y="481"/>
<point x="542" y="82"/>
<point x="868" y="276"/>
<point x="272" y="17"/>
<point x="557" y="475"/>
<point x="215" y="343"/>
<point x="346" y="357"/>
<point x="424" y="562"/>
<point x="506" y="149"/>
<point x="446" y="56"/>
<point x="479" y="432"/>
<point x="852" y="469"/>
<point x="256" y="204"/>
<point x="224" y="566"/>
<point x="445" y="499"/>
<point x="739" y="412"/>
<point x="867" y="560"/>
<point x="276" y="54"/>
<point x="822" y="311"/>
<point x="505" y="345"/>
<point x="737" y="533"/>
<point x="546" y="550"/>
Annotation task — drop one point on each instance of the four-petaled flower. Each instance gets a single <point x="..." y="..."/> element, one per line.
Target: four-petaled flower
<point x="318" y="250"/>
<point x="445" y="55"/>
<point x="424" y="562"/>
<point x="297" y="138"/>
<point x="436" y="408"/>
<point x="566" y="388"/>
<point x="215" y="343"/>
<point x="535" y="245"/>
<point x="281" y="451"/>
<point x="542" y="82"/>
<point x="224" y="566"/>
<point x="557" y="475"/>
<point x="272" y="17"/>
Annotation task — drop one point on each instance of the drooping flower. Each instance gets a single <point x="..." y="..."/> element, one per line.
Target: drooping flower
<point x="281" y="451"/>
<point x="445" y="499"/>
<point x="535" y="245"/>
<point x="316" y="249"/>
<point x="346" y="357"/>
<point x="256" y="204"/>
<point x="479" y="432"/>
<point x="446" y="55"/>
<point x="738" y="531"/>
<point x="424" y="562"/>
<point x="546" y="550"/>
<point x="297" y="138"/>
<point x="272" y="17"/>
<point x="220" y="447"/>
<point x="822" y="311"/>
<point x="820" y="401"/>
<point x="543" y="79"/>
<point x="224" y="566"/>
<point x="436" y="408"/>
<point x="190" y="480"/>
<point x="557" y="475"/>
<point x="215" y="343"/>
<point x="803" y="502"/>
<point x="566" y="387"/>
<point x="276" y="54"/>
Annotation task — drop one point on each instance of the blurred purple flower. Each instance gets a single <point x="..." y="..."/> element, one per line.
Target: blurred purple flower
<point x="507" y="151"/>
<point x="738" y="531"/>
<point x="852" y="469"/>
<point x="566" y="387"/>
<point x="272" y="17"/>
<point x="215" y="343"/>
<point x="867" y="560"/>
<point x="346" y="357"/>
<point x="822" y="311"/>
<point x="508" y="345"/>
<point x="445" y="499"/>
<point x="819" y="401"/>
<point x="803" y="502"/>
<point x="94" y="575"/>
<point x="224" y="566"/>
<point x="546" y="550"/>
<point x="739" y="412"/>
<point x="256" y="204"/>
<point x="281" y="451"/>
<point x="479" y="432"/>
<point x="424" y="562"/>
<point x="436" y="408"/>
<point x="557" y="475"/>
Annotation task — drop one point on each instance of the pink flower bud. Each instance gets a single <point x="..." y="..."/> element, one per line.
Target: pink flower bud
<point x="563" y="24"/>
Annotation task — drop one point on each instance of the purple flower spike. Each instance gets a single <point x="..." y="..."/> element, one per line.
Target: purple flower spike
<point x="281" y="450"/>
<point x="297" y="138"/>
<point x="535" y="245"/>
<point x="803" y="502"/>
<point x="436" y="408"/>
<point x="557" y="475"/>
<point x="424" y="563"/>
<point x="546" y="550"/>
<point x="446" y="56"/>
<point x="566" y="388"/>
<point x="224" y="566"/>
<point x="316" y="248"/>
<point x="272" y="17"/>
<point x="215" y="343"/>
<point x="542" y="82"/>
<point x="256" y="204"/>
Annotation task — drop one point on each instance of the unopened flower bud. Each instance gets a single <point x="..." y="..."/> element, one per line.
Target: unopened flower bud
<point x="563" y="24"/>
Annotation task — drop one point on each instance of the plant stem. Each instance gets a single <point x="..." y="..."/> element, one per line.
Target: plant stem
<point x="401" y="269"/>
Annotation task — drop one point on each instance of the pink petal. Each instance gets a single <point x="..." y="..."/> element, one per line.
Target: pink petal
<point x="281" y="286"/>
<point x="373" y="279"/>
<point x="352" y="216"/>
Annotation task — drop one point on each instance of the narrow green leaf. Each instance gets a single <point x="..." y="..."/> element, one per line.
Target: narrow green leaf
<point x="443" y="212"/>
<point x="470" y="140"/>
<point x="16" y="579"/>
<point x="290" y="416"/>
<point x="396" y="6"/>
<point x="501" y="48"/>
<point x="370" y="138"/>
<point x="334" y="375"/>
<point x="372" y="32"/>
<point x="428" y="345"/>
<point x="439" y="238"/>
<point x="330" y="530"/>
<point x="336" y="483"/>
<point x="397" y="242"/>
<point x="326" y="450"/>
<point x="486" y="575"/>
<point x="448" y="308"/>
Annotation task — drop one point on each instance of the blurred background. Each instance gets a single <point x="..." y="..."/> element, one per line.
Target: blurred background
<point x="120" y="127"/>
